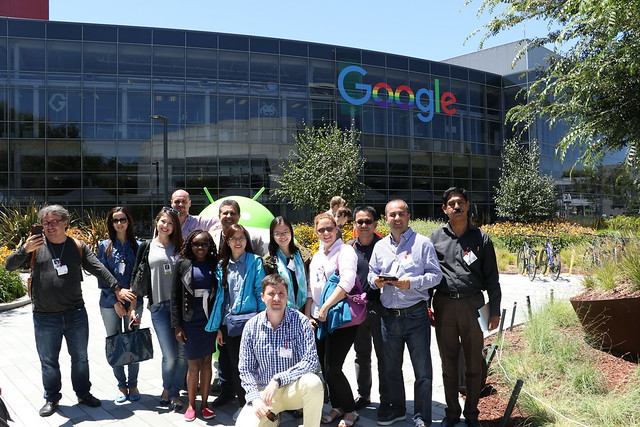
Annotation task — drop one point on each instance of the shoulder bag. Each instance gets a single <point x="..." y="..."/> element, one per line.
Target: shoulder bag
<point x="141" y="281"/>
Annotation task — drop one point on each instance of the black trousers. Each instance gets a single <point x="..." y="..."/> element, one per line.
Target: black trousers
<point x="368" y="330"/>
<point x="457" y="327"/>
<point x="332" y="351"/>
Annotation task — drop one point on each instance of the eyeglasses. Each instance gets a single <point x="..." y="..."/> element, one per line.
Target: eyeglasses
<point x="364" y="221"/>
<point x="200" y="244"/>
<point x="119" y="220"/>
<point x="325" y="230"/>
<point x="283" y="234"/>
<point x="238" y="239"/>
<point x="52" y="223"/>
<point x="168" y="209"/>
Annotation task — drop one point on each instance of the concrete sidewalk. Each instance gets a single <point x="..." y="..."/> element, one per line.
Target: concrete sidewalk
<point x="21" y="384"/>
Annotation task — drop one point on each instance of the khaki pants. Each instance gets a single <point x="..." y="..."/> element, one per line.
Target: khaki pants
<point x="306" y="393"/>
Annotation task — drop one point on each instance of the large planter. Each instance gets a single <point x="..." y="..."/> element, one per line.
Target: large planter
<point x="611" y="324"/>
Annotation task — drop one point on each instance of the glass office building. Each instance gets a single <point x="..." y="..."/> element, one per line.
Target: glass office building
<point x="75" y="124"/>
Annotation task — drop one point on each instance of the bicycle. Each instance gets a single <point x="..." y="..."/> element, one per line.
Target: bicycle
<point x="522" y="257"/>
<point x="549" y="259"/>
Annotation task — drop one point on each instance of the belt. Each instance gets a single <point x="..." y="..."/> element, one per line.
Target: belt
<point x="405" y="311"/>
<point x="458" y="295"/>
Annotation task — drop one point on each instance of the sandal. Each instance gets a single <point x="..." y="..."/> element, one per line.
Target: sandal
<point x="349" y="423"/>
<point x="333" y="415"/>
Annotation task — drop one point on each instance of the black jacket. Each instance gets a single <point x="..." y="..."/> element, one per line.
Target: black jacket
<point x="182" y="297"/>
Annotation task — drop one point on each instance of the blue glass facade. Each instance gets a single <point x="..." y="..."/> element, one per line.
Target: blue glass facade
<point x="76" y="101"/>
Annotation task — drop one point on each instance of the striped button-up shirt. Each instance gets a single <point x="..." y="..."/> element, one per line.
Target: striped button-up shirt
<point x="285" y="353"/>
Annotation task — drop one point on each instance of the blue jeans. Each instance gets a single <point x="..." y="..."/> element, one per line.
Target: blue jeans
<point x="174" y="361"/>
<point x="113" y="325"/>
<point x="414" y="330"/>
<point x="49" y="329"/>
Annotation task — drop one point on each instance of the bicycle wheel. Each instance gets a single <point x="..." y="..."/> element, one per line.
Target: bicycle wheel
<point x="532" y="266"/>
<point x="521" y="262"/>
<point x="543" y="262"/>
<point x="556" y="266"/>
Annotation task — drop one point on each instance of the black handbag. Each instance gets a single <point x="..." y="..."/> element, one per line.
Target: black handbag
<point x="141" y="281"/>
<point x="130" y="347"/>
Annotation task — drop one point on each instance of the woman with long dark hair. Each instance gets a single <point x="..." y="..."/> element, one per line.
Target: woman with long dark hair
<point x="288" y="259"/>
<point x="240" y="272"/>
<point x="192" y="302"/>
<point x="118" y="254"/>
<point x="161" y="254"/>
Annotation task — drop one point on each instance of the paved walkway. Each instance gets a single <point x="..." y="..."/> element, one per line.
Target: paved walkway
<point x="21" y="385"/>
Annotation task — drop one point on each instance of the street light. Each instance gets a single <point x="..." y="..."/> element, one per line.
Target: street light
<point x="165" y="147"/>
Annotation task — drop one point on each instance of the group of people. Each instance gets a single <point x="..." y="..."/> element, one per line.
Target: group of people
<point x="274" y="311"/>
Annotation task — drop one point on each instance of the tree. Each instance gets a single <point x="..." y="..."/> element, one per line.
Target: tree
<point x="615" y="183"/>
<point x="524" y="194"/>
<point x="593" y="82"/>
<point x="325" y="163"/>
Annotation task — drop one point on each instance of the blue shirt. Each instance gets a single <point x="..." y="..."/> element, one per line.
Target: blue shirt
<point x="264" y="351"/>
<point x="120" y="253"/>
<point x="414" y="257"/>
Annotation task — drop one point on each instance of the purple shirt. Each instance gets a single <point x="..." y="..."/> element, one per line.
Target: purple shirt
<point x="198" y="223"/>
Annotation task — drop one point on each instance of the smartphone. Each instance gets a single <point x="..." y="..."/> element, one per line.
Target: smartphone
<point x="384" y="277"/>
<point x="36" y="229"/>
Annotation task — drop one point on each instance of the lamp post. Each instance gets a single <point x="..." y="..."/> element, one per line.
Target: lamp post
<point x="165" y="148"/>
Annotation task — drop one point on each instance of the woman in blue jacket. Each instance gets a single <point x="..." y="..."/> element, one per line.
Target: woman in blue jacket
<point x="240" y="273"/>
<point x="118" y="254"/>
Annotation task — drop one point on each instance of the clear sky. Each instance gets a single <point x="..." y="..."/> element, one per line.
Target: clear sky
<point x="429" y="29"/>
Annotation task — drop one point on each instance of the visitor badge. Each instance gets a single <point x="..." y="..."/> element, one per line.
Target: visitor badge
<point x="121" y="267"/>
<point x="292" y="265"/>
<point x="62" y="270"/>
<point x="469" y="257"/>
<point x="406" y="260"/>
<point x="286" y="352"/>
<point x="167" y="268"/>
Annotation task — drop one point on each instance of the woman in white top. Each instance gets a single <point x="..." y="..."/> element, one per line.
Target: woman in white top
<point x="333" y="348"/>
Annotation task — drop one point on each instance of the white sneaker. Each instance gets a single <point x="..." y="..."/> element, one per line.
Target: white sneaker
<point x="236" y="414"/>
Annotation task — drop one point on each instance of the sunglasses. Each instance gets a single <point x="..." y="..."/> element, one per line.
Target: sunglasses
<point x="119" y="220"/>
<point x="365" y="221"/>
<point x="200" y="244"/>
<point x="168" y="209"/>
<point x="238" y="239"/>
<point x="325" y="230"/>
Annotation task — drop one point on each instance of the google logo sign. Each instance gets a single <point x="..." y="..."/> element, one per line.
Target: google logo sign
<point x="426" y="100"/>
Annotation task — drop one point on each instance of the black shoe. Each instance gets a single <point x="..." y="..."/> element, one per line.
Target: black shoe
<point x="89" y="400"/>
<point x="48" y="409"/>
<point x="222" y="399"/>
<point x="449" y="422"/>
<point x="176" y="406"/>
<point x="362" y="402"/>
<point x="384" y="409"/>
<point x="391" y="417"/>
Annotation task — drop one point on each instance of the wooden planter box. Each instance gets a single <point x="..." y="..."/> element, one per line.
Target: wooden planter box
<point x="611" y="324"/>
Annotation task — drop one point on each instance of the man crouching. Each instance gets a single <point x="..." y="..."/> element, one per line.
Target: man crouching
<point x="278" y="361"/>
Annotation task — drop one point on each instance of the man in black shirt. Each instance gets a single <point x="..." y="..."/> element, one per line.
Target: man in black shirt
<point x="58" y="307"/>
<point x="468" y="263"/>
<point x="365" y="225"/>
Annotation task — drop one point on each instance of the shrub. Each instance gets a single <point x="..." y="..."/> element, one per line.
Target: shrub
<point x="16" y="222"/>
<point x="11" y="286"/>
<point x="511" y="234"/>
<point x="624" y="223"/>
